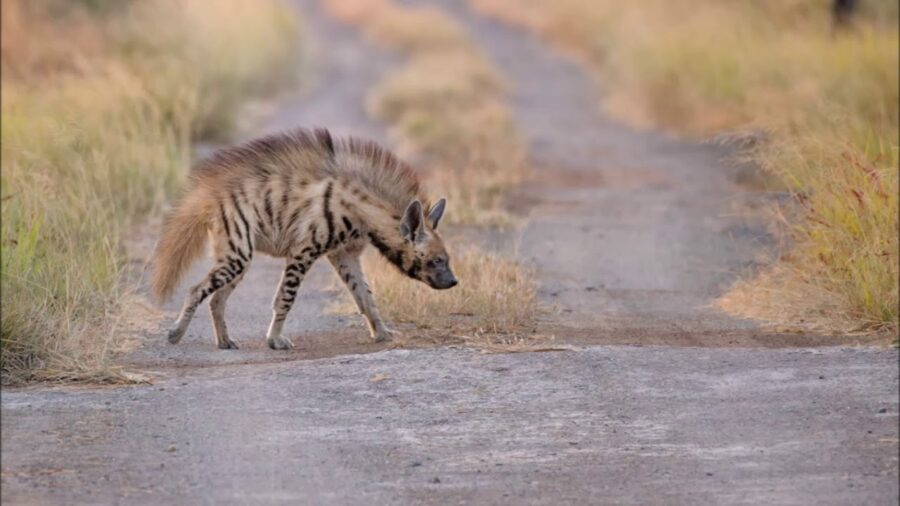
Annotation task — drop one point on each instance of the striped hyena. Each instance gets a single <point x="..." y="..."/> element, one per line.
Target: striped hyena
<point x="299" y="195"/>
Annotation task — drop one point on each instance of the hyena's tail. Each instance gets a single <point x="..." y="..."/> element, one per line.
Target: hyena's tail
<point x="183" y="237"/>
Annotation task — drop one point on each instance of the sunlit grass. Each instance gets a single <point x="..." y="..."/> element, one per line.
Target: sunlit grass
<point x="494" y="300"/>
<point x="829" y="101"/>
<point x="844" y="225"/>
<point x="96" y="132"/>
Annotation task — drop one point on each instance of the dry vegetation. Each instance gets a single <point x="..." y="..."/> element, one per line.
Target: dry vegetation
<point x="446" y="106"/>
<point x="829" y="102"/>
<point x="100" y="103"/>
<point x="493" y="305"/>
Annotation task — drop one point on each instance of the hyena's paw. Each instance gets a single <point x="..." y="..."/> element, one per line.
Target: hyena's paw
<point x="384" y="335"/>
<point x="227" y="344"/>
<point x="279" y="343"/>
<point x="175" y="336"/>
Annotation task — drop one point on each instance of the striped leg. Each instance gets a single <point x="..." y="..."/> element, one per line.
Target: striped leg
<point x="217" y="312"/>
<point x="284" y="299"/>
<point x="346" y="263"/>
<point x="221" y="275"/>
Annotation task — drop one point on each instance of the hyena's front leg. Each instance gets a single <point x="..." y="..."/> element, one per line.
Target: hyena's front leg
<point x="293" y="275"/>
<point x="346" y="263"/>
<point x="217" y="312"/>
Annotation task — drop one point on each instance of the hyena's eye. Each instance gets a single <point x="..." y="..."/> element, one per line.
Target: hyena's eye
<point x="437" y="262"/>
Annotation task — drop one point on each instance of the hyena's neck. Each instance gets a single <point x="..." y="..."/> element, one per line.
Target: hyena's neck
<point x="393" y="252"/>
<point x="381" y="226"/>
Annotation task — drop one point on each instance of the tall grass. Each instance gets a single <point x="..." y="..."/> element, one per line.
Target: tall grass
<point x="99" y="108"/>
<point x="829" y="101"/>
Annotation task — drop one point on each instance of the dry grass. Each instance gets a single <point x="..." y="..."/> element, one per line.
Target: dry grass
<point x="830" y="102"/>
<point x="773" y="296"/>
<point x="496" y="295"/>
<point x="79" y="160"/>
<point x="493" y="304"/>
<point x="843" y="229"/>
<point x="96" y="132"/>
<point x="446" y="106"/>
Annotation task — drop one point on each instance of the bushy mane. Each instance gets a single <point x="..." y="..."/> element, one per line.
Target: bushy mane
<point x="286" y="150"/>
<point x="378" y="170"/>
<point x="318" y="155"/>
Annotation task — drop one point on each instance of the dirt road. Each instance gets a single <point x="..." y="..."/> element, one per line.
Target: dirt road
<point x="633" y="235"/>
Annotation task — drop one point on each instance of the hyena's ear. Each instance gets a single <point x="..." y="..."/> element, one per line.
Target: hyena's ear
<point x="437" y="210"/>
<point x="411" y="224"/>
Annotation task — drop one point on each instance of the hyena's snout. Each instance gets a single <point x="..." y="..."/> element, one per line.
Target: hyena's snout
<point x="443" y="280"/>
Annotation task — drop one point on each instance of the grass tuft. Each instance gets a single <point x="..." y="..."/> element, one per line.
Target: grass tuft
<point x="493" y="304"/>
<point x="496" y="296"/>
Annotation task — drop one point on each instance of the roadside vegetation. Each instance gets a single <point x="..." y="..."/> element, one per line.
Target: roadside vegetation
<point x="493" y="307"/>
<point x="447" y="109"/>
<point x="826" y="100"/>
<point x="101" y="102"/>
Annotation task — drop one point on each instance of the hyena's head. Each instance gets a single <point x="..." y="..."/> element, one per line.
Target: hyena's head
<point x="423" y="245"/>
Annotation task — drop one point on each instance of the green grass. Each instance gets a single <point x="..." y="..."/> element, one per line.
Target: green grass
<point x="96" y="134"/>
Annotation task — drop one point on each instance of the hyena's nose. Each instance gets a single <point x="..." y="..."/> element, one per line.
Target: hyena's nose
<point x="453" y="282"/>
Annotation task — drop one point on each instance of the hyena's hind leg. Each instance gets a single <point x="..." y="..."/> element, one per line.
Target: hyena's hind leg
<point x="347" y="264"/>
<point x="217" y="312"/>
<point x="227" y="271"/>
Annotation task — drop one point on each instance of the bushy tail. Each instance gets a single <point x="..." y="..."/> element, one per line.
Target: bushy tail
<point x="183" y="237"/>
